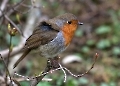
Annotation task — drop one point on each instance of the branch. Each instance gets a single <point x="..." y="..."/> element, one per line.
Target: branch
<point x="7" y="71"/>
<point x="54" y="65"/>
<point x="3" y="5"/>
<point x="51" y="64"/>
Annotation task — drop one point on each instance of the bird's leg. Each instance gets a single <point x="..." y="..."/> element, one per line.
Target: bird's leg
<point x="53" y="62"/>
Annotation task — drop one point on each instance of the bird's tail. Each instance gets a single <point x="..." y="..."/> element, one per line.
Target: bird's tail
<point x="21" y="58"/>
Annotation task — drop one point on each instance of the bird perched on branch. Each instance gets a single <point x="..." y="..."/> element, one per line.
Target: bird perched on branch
<point x="51" y="37"/>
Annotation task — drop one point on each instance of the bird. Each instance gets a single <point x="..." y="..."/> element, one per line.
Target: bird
<point x="51" y="37"/>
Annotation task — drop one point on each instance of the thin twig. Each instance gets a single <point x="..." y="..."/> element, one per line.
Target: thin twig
<point x="7" y="62"/>
<point x="3" y="5"/>
<point x="60" y="67"/>
<point x="65" y="75"/>
<point x="12" y="22"/>
<point x="13" y="8"/>
<point x="9" y="50"/>
<point x="7" y="71"/>
<point x="96" y="56"/>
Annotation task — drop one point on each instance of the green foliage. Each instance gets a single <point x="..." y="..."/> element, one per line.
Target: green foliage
<point x="83" y="81"/>
<point x="1" y="66"/>
<point x="90" y="42"/>
<point x="24" y="83"/>
<point x="15" y="40"/>
<point x="115" y="40"/>
<point x="1" y="33"/>
<point x="85" y="49"/>
<point x="14" y="1"/>
<point x="59" y="82"/>
<point x="116" y="50"/>
<point x="44" y="84"/>
<point x="103" y="29"/>
<point x="108" y="84"/>
<point x="104" y="84"/>
<point x="103" y="43"/>
<point x="71" y="82"/>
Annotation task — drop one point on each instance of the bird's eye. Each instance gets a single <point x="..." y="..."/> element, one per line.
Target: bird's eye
<point x="69" y="22"/>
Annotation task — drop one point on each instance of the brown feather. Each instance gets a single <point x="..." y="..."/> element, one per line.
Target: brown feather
<point x="21" y="58"/>
<point x="41" y="35"/>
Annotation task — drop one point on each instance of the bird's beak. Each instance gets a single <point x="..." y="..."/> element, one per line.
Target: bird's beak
<point x="80" y="23"/>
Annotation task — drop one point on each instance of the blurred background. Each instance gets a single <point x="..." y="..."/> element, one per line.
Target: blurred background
<point x="99" y="34"/>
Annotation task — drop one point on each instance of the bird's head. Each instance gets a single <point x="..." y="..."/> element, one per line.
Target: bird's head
<point x="67" y="23"/>
<point x="67" y="19"/>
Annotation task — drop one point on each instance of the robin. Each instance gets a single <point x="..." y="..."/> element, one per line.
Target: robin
<point x="51" y="37"/>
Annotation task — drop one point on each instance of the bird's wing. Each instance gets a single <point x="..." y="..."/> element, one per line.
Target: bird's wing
<point x="41" y="35"/>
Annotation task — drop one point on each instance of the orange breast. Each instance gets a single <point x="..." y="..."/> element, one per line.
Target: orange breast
<point x="68" y="32"/>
